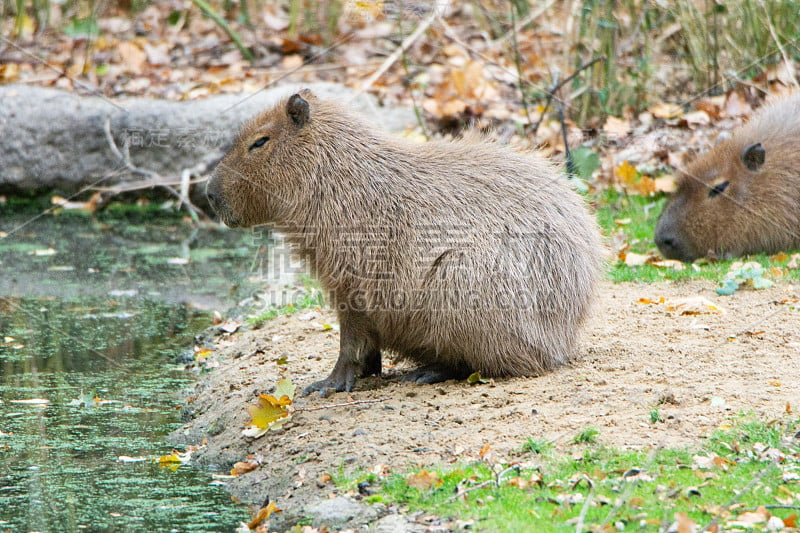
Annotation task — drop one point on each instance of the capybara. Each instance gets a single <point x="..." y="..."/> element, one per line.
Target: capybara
<point x="742" y="196"/>
<point x="460" y="256"/>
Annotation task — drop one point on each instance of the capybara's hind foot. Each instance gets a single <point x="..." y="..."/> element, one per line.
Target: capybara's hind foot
<point x="435" y="374"/>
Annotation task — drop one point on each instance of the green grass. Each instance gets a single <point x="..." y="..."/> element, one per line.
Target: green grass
<point x="537" y="447"/>
<point x="655" y="415"/>
<point x="627" y="490"/>
<point x="586" y="436"/>
<point x="311" y="299"/>
<point x="642" y="213"/>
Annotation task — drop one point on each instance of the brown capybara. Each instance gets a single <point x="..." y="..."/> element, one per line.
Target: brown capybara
<point x="461" y="256"/>
<point x="743" y="196"/>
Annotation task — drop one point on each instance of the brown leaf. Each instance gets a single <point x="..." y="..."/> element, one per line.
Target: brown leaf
<point x="484" y="450"/>
<point x="751" y="518"/>
<point x="651" y="302"/>
<point x="263" y="514"/>
<point x="737" y="106"/>
<point x="694" y="305"/>
<point x="132" y="57"/>
<point x="669" y="263"/>
<point x="664" y="183"/>
<point x="633" y="259"/>
<point x="685" y="524"/>
<point x="243" y="467"/>
<point x="697" y="118"/>
<point x="666" y="110"/>
<point x="424" y="480"/>
<point x="616" y="127"/>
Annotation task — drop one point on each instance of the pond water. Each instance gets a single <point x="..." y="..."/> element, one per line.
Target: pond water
<point x="95" y="313"/>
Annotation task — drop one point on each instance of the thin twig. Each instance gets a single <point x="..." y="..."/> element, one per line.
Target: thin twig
<point x="584" y="510"/>
<point x="524" y="22"/>
<point x="553" y="90"/>
<point x="332" y="406"/>
<point x="213" y="15"/>
<point x="407" y="42"/>
<point x="125" y="159"/>
<point x="786" y="59"/>
<point x="518" y="63"/>
<point x="631" y="485"/>
<point x="496" y="482"/>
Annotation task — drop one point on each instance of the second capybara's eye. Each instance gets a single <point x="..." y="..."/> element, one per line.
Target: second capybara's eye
<point x="717" y="189"/>
<point x="259" y="143"/>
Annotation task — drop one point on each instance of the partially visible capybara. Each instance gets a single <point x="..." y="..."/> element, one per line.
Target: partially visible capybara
<point x="743" y="196"/>
<point x="461" y="256"/>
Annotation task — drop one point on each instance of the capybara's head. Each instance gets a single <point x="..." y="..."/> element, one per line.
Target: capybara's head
<point x="739" y="198"/>
<point x="262" y="175"/>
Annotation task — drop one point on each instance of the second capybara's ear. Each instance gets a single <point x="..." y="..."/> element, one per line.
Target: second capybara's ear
<point x="298" y="110"/>
<point x="753" y="156"/>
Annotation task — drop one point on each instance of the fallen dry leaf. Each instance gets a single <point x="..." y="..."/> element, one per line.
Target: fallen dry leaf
<point x="243" y="467"/>
<point x="132" y="57"/>
<point x="665" y="183"/>
<point x="272" y="411"/>
<point x="684" y="523"/>
<point x="633" y="259"/>
<point x="666" y="110"/>
<point x="616" y="127"/>
<point x="669" y="263"/>
<point x="263" y="514"/>
<point x="424" y="480"/>
<point x="694" y="305"/>
<point x="737" y="106"/>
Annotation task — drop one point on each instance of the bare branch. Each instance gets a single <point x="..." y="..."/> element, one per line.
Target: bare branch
<point x="155" y="179"/>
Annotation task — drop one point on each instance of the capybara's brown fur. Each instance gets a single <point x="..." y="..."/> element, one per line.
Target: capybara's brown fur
<point x="461" y="256"/>
<point x="743" y="196"/>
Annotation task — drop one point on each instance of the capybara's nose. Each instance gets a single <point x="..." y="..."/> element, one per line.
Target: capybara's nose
<point x="670" y="246"/>
<point x="212" y="191"/>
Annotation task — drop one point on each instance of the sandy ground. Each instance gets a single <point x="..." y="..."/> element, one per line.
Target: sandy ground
<point x="699" y="369"/>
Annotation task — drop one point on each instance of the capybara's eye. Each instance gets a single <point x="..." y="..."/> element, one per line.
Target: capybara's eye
<point x="718" y="188"/>
<point x="260" y="142"/>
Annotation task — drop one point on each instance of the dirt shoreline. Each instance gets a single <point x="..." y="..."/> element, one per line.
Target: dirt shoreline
<point x="699" y="369"/>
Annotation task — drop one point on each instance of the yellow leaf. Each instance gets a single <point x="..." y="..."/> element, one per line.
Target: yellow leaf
<point x="168" y="459"/>
<point x="202" y="353"/>
<point x="626" y="172"/>
<point x="271" y="411"/>
<point x="9" y="72"/>
<point x="268" y="410"/>
<point x="172" y="461"/>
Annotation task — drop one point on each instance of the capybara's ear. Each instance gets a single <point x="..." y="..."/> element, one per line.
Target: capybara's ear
<point x="753" y="156"/>
<point x="298" y="110"/>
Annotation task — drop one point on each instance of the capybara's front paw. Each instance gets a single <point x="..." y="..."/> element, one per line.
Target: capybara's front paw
<point x="339" y="380"/>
